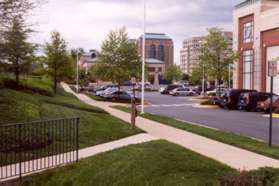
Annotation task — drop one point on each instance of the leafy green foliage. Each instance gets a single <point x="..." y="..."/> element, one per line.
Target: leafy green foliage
<point x="59" y="63"/>
<point x="30" y="85"/>
<point x="173" y="73"/>
<point x="118" y="60"/>
<point x="153" y="163"/>
<point x="215" y="56"/>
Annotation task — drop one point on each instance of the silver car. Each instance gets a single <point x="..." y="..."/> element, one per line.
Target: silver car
<point x="182" y="92"/>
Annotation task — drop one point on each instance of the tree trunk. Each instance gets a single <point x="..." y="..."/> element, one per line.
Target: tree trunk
<point x="17" y="72"/>
<point x="55" y="78"/>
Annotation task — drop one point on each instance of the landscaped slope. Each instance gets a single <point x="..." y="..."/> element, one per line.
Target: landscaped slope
<point x="153" y="163"/>
<point x="96" y="127"/>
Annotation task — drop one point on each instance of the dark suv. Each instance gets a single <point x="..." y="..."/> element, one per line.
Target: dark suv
<point x="230" y="98"/>
<point x="248" y="101"/>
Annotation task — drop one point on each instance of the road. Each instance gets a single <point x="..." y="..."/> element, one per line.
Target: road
<point x="245" y="123"/>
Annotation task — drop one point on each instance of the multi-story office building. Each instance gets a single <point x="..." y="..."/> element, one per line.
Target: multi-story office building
<point x="159" y="53"/>
<point x="256" y="38"/>
<point x="189" y="54"/>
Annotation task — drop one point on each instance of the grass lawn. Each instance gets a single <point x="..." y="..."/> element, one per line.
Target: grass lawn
<point x="152" y="163"/>
<point x="225" y="137"/>
<point x="96" y="126"/>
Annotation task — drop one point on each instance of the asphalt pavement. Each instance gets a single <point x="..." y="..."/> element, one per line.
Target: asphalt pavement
<point x="245" y="123"/>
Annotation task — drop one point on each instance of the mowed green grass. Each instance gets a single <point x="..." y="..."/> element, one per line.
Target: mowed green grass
<point x="153" y="163"/>
<point x="222" y="136"/>
<point x="96" y="125"/>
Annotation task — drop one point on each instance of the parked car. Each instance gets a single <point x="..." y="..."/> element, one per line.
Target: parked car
<point x="214" y="92"/>
<point x="169" y="88"/>
<point x="198" y="89"/>
<point x="102" y="88"/>
<point x="182" y="92"/>
<point x="249" y="101"/>
<point x="264" y="105"/>
<point x="119" y="95"/>
<point x="230" y="98"/>
<point x="107" y="91"/>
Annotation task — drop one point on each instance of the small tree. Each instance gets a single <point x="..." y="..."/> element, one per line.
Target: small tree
<point x="173" y="73"/>
<point x="16" y="50"/>
<point x="60" y="64"/>
<point x="119" y="60"/>
<point x="215" y="55"/>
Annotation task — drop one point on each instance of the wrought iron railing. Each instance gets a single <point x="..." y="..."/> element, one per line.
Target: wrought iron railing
<point x="33" y="146"/>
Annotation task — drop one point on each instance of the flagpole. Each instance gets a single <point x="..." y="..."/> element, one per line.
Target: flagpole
<point x="143" y="58"/>
<point x="77" y="73"/>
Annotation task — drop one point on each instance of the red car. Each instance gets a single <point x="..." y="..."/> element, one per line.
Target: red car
<point x="264" y="105"/>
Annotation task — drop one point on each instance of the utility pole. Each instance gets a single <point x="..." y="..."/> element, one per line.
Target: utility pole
<point x="143" y="58"/>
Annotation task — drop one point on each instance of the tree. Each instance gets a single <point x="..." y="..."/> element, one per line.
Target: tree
<point x="185" y="77"/>
<point x="119" y="60"/>
<point x="173" y="73"/>
<point x="215" y="55"/>
<point x="60" y="64"/>
<point x="16" y="52"/>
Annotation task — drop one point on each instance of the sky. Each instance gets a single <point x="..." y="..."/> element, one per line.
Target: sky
<point x="85" y="23"/>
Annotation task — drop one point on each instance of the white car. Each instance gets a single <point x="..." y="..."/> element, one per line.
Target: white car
<point x="182" y="92"/>
<point x="214" y="92"/>
<point x="107" y="91"/>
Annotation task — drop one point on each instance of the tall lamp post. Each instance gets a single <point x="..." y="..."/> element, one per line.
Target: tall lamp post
<point x="143" y="58"/>
<point x="77" y="74"/>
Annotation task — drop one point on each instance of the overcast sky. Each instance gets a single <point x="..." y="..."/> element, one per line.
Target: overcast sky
<point x="85" y="23"/>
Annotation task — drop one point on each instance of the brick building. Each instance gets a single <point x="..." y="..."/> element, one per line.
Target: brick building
<point x="159" y="54"/>
<point x="256" y="38"/>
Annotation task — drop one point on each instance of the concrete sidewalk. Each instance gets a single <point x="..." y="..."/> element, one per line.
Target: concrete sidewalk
<point x="232" y="156"/>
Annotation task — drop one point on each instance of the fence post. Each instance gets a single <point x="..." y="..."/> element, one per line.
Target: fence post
<point x="77" y="139"/>
<point x="20" y="152"/>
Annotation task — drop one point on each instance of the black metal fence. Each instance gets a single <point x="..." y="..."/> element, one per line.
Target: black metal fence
<point x="34" y="146"/>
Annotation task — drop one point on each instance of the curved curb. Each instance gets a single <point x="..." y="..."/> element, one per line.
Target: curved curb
<point x="205" y="106"/>
<point x="273" y="115"/>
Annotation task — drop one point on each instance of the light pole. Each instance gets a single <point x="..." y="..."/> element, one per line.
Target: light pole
<point x="77" y="73"/>
<point x="229" y="76"/>
<point x="203" y="80"/>
<point x="143" y="58"/>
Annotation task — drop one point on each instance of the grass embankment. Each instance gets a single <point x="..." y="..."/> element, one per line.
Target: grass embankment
<point x="96" y="126"/>
<point x="222" y="136"/>
<point x="153" y="163"/>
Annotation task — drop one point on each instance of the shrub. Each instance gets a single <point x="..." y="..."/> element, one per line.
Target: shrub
<point x="266" y="175"/>
<point x="31" y="85"/>
<point x="242" y="178"/>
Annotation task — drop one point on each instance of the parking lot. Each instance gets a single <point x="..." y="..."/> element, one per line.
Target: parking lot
<point x="246" y="123"/>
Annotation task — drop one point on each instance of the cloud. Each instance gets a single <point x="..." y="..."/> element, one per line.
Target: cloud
<point x="85" y="23"/>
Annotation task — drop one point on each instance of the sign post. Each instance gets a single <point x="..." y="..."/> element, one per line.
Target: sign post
<point x="133" y="105"/>
<point x="272" y="72"/>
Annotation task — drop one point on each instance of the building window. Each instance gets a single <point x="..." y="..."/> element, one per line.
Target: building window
<point x="247" y="69"/>
<point x="248" y="30"/>
<point x="161" y="52"/>
<point x="152" y="52"/>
